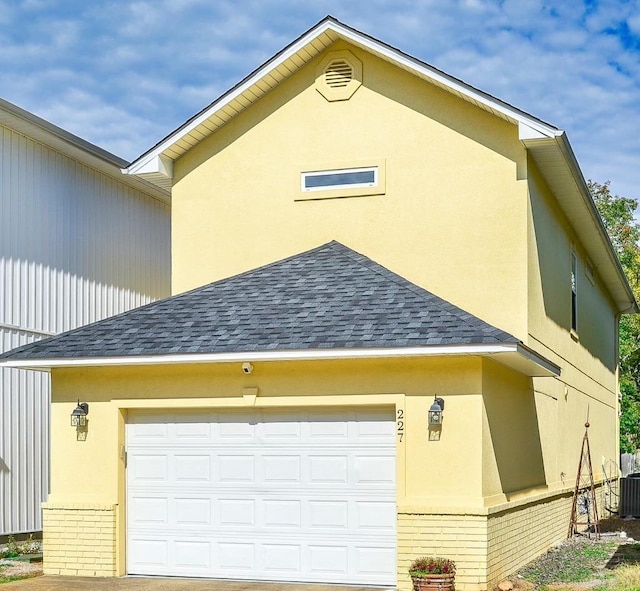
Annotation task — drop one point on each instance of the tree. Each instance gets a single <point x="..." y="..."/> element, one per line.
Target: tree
<point x="618" y="216"/>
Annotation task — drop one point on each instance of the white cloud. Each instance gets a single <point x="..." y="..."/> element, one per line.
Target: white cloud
<point x="123" y="74"/>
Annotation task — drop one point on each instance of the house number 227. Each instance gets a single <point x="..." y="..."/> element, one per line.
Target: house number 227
<point x="400" y="423"/>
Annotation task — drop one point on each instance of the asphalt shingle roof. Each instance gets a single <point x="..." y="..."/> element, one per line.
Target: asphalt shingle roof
<point x="327" y="298"/>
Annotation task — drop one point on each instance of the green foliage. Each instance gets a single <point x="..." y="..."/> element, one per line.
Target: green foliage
<point x="13" y="549"/>
<point x="618" y="216"/>
<point x="630" y="416"/>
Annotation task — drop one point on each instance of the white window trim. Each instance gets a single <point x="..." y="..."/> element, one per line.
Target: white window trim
<point x="305" y="175"/>
<point x="379" y="187"/>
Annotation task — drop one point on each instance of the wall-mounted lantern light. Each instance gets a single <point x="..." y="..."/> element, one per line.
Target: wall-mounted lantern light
<point x="79" y="415"/>
<point x="435" y="412"/>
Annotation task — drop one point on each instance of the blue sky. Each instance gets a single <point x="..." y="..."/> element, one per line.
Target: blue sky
<point x="122" y="74"/>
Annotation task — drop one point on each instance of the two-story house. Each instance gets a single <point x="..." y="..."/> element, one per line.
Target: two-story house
<point x="358" y="239"/>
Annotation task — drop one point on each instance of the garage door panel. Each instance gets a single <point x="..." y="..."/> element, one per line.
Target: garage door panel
<point x="146" y="511"/>
<point x="374" y="470"/>
<point x="282" y="513"/>
<point x="236" y="558"/>
<point x="192" y="468"/>
<point x="193" y="513"/>
<point x="378" y="516"/>
<point x="149" y="553"/>
<point x="375" y="562"/>
<point x="329" y="559"/>
<point x="282" y="558"/>
<point x="237" y="512"/>
<point x="236" y="468"/>
<point x="280" y="469"/>
<point x="311" y="495"/>
<point x="193" y="428"/>
<point x="144" y="467"/>
<point x="331" y="514"/>
<point x="193" y="555"/>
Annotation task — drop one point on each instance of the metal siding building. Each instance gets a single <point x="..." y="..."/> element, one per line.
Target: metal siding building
<point x="79" y="242"/>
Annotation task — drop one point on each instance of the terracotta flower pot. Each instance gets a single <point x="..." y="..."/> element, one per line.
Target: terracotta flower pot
<point x="442" y="582"/>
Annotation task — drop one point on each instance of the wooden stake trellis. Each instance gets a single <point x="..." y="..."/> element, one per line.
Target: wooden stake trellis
<point x="584" y="511"/>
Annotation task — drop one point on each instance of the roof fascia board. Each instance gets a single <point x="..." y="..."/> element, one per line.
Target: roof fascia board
<point x="482" y="350"/>
<point x="156" y="164"/>
<point x="529" y="132"/>
<point x="145" y="163"/>
<point x="150" y="157"/>
<point x="444" y="79"/>
<point x="13" y="112"/>
<point x="538" y="359"/>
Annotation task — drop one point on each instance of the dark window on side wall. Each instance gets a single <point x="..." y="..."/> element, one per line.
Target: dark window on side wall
<point x="574" y="292"/>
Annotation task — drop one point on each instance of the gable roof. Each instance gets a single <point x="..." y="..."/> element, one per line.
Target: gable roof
<point x="548" y="145"/>
<point x="157" y="163"/>
<point x="70" y="145"/>
<point x="324" y="303"/>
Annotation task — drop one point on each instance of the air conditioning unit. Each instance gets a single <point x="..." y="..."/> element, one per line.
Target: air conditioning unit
<point x="630" y="496"/>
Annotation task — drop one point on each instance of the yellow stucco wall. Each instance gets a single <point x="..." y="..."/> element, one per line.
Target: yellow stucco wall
<point x="463" y="214"/>
<point x="447" y="492"/>
<point x="588" y="356"/>
<point x="234" y="199"/>
<point x="410" y="382"/>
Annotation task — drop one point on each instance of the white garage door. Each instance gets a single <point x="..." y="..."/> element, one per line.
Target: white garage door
<point x="289" y="496"/>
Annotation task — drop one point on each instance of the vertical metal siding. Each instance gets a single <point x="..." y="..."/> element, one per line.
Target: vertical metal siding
<point x="76" y="246"/>
<point x="24" y="439"/>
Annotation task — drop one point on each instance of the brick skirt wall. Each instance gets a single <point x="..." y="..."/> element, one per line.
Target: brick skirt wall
<point x="463" y="538"/>
<point x="79" y="539"/>
<point x="487" y="545"/>
<point x="517" y="536"/>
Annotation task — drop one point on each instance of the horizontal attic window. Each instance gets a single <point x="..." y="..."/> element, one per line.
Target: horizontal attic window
<point x="350" y="178"/>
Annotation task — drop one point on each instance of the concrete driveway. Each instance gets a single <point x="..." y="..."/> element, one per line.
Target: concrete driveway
<point x="60" y="583"/>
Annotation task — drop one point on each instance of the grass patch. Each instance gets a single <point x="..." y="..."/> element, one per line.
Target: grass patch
<point x="626" y="578"/>
<point x="574" y="562"/>
<point x="9" y="579"/>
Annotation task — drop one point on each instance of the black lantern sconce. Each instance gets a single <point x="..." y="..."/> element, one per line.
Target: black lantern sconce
<point x="435" y="412"/>
<point x="79" y="415"/>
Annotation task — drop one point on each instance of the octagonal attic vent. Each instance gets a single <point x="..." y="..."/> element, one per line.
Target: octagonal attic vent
<point x="339" y="75"/>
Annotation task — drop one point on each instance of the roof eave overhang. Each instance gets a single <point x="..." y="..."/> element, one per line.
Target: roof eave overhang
<point x="156" y="164"/>
<point x="514" y="355"/>
<point x="559" y="167"/>
<point x="70" y="145"/>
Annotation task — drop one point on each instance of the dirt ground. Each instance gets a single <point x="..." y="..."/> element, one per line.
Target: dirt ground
<point x="582" y="563"/>
<point x="16" y="568"/>
<point x="614" y="524"/>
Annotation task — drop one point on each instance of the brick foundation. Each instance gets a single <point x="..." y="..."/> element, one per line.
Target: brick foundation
<point x="79" y="540"/>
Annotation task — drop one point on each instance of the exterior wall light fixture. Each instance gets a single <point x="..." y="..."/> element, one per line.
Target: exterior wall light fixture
<point x="435" y="412"/>
<point x="79" y="415"/>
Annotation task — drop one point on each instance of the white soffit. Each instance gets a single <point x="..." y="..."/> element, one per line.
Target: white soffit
<point x="283" y="65"/>
<point x="514" y="355"/>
